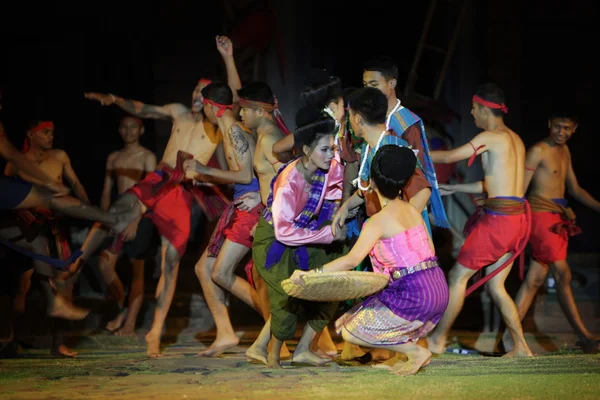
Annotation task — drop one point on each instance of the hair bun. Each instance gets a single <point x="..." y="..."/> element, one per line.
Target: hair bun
<point x="306" y="115"/>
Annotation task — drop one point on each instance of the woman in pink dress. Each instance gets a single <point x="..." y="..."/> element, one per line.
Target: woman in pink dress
<point x="294" y="232"/>
<point x="399" y="245"/>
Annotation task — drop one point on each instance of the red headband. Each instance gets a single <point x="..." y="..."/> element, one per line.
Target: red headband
<point x="490" y="104"/>
<point x="204" y="81"/>
<point x="245" y="103"/>
<point x="38" y="127"/>
<point x="222" y="108"/>
<point x="136" y="119"/>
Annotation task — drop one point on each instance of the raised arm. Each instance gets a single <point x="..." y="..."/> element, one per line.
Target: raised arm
<point x="532" y="162"/>
<point x="477" y="145"/>
<point x="579" y="193"/>
<point x="225" y="47"/>
<point x="139" y="109"/>
<point x="71" y="177"/>
<point x="108" y="182"/>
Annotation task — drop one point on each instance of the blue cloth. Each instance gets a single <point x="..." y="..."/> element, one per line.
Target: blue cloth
<point x="13" y="191"/>
<point x="401" y="120"/>
<point x="243" y="188"/>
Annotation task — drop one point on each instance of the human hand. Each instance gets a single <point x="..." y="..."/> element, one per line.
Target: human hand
<point x="194" y="166"/>
<point x="247" y="201"/>
<point x="130" y="232"/>
<point x="446" y="189"/>
<point x="104" y="99"/>
<point x="298" y="277"/>
<point x="340" y="233"/>
<point x="339" y="219"/>
<point x="224" y="46"/>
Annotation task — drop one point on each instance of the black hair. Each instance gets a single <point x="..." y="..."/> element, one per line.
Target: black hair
<point x="391" y="169"/>
<point x="564" y="113"/>
<point x="219" y="92"/>
<point x="491" y="92"/>
<point x="370" y="103"/>
<point x="312" y="125"/>
<point x="257" y="91"/>
<point x="384" y="65"/>
<point x="320" y="94"/>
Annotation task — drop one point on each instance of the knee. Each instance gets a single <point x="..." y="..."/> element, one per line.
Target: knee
<point x="457" y="275"/>
<point x="219" y="276"/>
<point x="562" y="273"/>
<point x="535" y="282"/>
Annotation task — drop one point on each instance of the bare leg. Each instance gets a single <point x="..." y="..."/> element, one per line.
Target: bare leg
<point x="457" y="282"/>
<point x="417" y="356"/>
<point x="535" y="278"/>
<point x="273" y="360"/>
<point x="107" y="265"/>
<point x="21" y="296"/>
<point x="303" y="355"/>
<point x="259" y="349"/>
<point x="164" y="295"/>
<point x="136" y="297"/>
<point x="508" y="309"/>
<point x="562" y="275"/>
<point x="215" y="298"/>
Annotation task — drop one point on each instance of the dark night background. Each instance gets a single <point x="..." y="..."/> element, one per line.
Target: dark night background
<point x="540" y="52"/>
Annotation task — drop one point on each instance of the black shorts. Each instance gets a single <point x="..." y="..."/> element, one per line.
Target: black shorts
<point x="13" y="191"/>
<point x="136" y="248"/>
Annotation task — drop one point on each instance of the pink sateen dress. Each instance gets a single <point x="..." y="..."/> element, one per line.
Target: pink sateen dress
<point x="291" y="192"/>
<point x="411" y="305"/>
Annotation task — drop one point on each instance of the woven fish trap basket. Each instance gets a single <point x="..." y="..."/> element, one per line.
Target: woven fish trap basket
<point x="336" y="286"/>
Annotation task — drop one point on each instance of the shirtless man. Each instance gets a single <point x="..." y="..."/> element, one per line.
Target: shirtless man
<point x="216" y="267"/>
<point x="127" y="167"/>
<point x="549" y="169"/>
<point x="504" y="226"/>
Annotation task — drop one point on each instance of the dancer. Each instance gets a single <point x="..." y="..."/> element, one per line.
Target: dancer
<point x="498" y="232"/>
<point x="550" y="171"/>
<point x="294" y="232"/>
<point x="125" y="168"/>
<point x="397" y="241"/>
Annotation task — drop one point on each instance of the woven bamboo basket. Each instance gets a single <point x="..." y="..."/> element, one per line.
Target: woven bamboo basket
<point x="336" y="286"/>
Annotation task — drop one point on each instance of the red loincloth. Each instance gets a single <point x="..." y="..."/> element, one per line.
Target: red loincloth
<point x="502" y="225"/>
<point x="234" y="225"/>
<point x="551" y="227"/>
<point x="32" y="221"/>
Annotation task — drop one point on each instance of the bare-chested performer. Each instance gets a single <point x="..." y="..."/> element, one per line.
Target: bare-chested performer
<point x="550" y="171"/>
<point x="43" y="191"/>
<point x="126" y="167"/>
<point x="500" y="227"/>
<point x="251" y="172"/>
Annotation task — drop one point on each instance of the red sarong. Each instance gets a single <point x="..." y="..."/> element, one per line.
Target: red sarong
<point x="234" y="225"/>
<point x="502" y="225"/>
<point x="551" y="226"/>
<point x="32" y="221"/>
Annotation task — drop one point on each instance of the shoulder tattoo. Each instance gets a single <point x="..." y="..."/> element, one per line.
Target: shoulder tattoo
<point x="239" y="141"/>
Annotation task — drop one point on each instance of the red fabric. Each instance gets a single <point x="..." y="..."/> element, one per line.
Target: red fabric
<point x="171" y="209"/>
<point x="490" y="104"/>
<point x="546" y="245"/>
<point x="489" y="238"/>
<point x="234" y="225"/>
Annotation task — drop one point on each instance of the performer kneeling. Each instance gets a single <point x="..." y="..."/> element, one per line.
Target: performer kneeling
<point x="399" y="245"/>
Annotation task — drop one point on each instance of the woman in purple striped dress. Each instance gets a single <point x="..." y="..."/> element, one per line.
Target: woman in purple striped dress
<point x="399" y="245"/>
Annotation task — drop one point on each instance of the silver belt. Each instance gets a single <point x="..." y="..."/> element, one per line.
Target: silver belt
<point x="398" y="273"/>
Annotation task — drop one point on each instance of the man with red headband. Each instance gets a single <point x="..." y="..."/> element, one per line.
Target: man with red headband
<point x="163" y="191"/>
<point x="550" y="171"/>
<point x="125" y="168"/>
<point x="498" y="232"/>
<point x="231" y="239"/>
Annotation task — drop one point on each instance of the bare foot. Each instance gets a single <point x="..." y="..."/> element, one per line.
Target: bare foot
<point x="257" y="354"/>
<point x="220" y="345"/>
<point x="416" y="360"/>
<point x="308" y="358"/>
<point x="380" y="354"/>
<point x="125" y="218"/>
<point x="507" y="341"/>
<point x="115" y="324"/>
<point x="61" y="308"/>
<point x="126" y="331"/>
<point x="324" y="355"/>
<point x="351" y="352"/>
<point x="389" y="363"/>
<point x="436" y="345"/>
<point x="63" y="351"/>
<point x="153" y="343"/>
<point x="519" y="352"/>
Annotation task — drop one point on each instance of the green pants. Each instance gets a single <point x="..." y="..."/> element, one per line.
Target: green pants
<point x="285" y="310"/>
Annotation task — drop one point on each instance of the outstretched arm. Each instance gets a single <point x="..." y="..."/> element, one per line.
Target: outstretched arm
<point x="72" y="179"/>
<point x="579" y="193"/>
<point x="532" y="162"/>
<point x="464" y="152"/>
<point x="470" y="188"/>
<point x="139" y="109"/>
<point x="225" y="47"/>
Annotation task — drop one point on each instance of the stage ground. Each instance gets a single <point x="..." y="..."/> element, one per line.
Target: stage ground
<point x="110" y="367"/>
